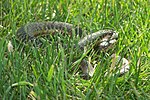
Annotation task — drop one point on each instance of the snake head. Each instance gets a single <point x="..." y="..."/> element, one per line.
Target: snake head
<point x="108" y="40"/>
<point x="101" y="39"/>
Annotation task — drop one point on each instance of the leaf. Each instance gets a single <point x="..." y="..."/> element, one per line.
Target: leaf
<point x="34" y="71"/>
<point x="50" y="73"/>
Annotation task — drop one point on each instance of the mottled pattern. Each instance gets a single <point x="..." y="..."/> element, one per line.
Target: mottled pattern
<point x="32" y="30"/>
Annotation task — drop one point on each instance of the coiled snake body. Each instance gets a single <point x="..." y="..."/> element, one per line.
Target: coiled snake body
<point x="102" y="38"/>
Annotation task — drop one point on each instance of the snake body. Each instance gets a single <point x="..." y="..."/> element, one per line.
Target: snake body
<point x="32" y="30"/>
<point x="35" y="29"/>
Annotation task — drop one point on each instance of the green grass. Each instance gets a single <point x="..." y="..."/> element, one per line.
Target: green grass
<point x="45" y="73"/>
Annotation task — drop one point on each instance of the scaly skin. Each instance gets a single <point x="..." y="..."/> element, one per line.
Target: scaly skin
<point x="32" y="30"/>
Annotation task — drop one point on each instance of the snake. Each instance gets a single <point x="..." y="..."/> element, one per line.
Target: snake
<point x="101" y="39"/>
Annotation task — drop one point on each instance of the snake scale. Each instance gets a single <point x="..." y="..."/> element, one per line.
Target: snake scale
<point x="102" y="38"/>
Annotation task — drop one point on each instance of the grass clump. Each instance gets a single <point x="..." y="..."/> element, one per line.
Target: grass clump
<point x="44" y="73"/>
